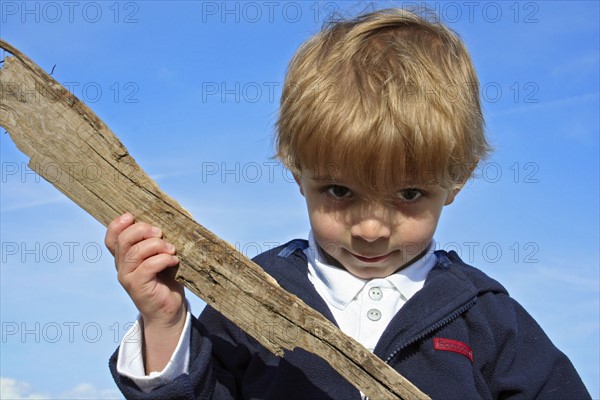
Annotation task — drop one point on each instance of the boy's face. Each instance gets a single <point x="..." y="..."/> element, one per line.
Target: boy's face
<point x="371" y="237"/>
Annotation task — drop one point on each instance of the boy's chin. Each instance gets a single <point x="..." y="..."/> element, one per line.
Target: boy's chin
<point x="370" y="272"/>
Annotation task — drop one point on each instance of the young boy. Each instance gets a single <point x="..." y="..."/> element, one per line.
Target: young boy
<point x="381" y="125"/>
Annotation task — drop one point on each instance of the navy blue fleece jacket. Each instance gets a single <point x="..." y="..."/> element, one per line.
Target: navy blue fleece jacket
<point x="460" y="337"/>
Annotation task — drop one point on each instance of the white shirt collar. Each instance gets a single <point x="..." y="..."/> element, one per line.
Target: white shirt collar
<point x="342" y="287"/>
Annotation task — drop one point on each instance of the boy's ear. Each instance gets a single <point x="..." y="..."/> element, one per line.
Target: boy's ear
<point x="456" y="189"/>
<point x="452" y="195"/>
<point x="297" y="179"/>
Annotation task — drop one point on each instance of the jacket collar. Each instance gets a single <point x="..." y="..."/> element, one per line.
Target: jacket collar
<point x="450" y="289"/>
<point x="451" y="286"/>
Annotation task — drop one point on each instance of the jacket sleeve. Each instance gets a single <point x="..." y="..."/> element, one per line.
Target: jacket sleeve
<point x="528" y="365"/>
<point x="211" y="376"/>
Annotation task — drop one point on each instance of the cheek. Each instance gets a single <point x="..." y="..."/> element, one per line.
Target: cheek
<point x="418" y="231"/>
<point x="325" y="227"/>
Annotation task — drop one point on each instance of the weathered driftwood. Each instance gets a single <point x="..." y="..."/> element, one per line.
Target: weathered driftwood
<point x="74" y="150"/>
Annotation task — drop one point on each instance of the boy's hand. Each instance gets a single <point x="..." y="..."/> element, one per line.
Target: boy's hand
<point x="143" y="260"/>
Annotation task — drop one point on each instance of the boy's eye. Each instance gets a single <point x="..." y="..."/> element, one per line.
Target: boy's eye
<point x="338" y="192"/>
<point x="409" y="195"/>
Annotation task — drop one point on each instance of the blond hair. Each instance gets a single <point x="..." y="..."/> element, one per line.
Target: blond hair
<point x="386" y="97"/>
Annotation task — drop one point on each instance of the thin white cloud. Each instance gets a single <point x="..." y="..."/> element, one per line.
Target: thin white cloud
<point x="33" y="204"/>
<point x="88" y="391"/>
<point x="552" y="273"/>
<point x="578" y="66"/>
<point x="544" y="105"/>
<point x="577" y="282"/>
<point x="12" y="389"/>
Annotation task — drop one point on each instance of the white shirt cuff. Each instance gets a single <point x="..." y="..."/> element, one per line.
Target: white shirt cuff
<point x="130" y="362"/>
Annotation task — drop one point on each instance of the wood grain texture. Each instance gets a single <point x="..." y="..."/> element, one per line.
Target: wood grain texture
<point x="92" y="167"/>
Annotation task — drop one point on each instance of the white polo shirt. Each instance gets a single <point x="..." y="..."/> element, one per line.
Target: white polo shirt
<point x="364" y="308"/>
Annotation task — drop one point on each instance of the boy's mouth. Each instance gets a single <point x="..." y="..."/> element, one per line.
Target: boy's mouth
<point x="372" y="260"/>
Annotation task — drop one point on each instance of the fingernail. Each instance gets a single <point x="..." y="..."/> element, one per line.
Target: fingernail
<point x="170" y="247"/>
<point x="156" y="231"/>
<point x="126" y="217"/>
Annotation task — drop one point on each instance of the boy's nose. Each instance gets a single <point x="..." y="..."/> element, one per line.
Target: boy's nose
<point x="371" y="229"/>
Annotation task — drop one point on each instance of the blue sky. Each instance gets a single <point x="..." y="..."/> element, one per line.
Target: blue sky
<point x="192" y="90"/>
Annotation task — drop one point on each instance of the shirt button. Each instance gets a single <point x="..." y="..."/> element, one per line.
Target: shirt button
<point x="374" y="314"/>
<point x="375" y="293"/>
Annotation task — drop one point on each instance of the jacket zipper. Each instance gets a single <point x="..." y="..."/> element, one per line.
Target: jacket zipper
<point x="436" y="326"/>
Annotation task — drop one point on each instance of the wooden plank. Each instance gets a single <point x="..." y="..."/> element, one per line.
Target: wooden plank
<point x="52" y="127"/>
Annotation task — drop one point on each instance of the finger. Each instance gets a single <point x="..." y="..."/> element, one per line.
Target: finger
<point x="152" y="266"/>
<point x="115" y="228"/>
<point x="133" y="235"/>
<point x="143" y="250"/>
